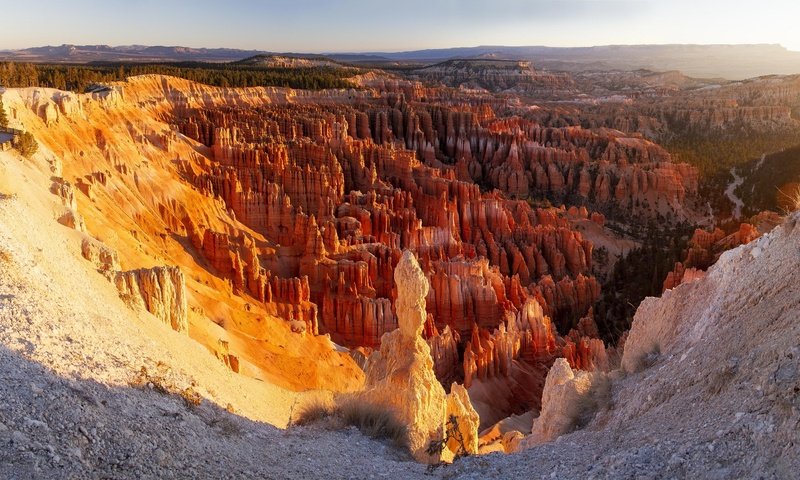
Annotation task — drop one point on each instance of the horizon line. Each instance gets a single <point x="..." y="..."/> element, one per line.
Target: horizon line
<point x="393" y="51"/>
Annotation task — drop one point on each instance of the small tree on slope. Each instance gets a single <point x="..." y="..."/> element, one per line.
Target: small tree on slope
<point x="26" y="144"/>
<point x="3" y="117"/>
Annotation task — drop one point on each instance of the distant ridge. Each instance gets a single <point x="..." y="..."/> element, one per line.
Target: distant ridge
<point x="733" y="62"/>
<point x="291" y="61"/>
<point x="127" y="53"/>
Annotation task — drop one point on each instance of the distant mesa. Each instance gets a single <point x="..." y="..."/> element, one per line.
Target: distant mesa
<point x="290" y="61"/>
<point x="492" y="74"/>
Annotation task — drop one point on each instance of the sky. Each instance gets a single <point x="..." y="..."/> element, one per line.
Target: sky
<point x="378" y="25"/>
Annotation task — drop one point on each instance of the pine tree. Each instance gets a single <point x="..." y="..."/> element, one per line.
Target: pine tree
<point x="3" y="117"/>
<point x="26" y="144"/>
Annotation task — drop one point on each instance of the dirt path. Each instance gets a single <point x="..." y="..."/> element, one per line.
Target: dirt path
<point x="730" y="192"/>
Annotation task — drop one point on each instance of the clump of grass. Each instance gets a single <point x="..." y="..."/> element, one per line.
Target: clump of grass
<point x="648" y="359"/>
<point x="790" y="199"/>
<point x="372" y="420"/>
<point x="795" y="199"/>
<point x="598" y="399"/>
<point x="314" y="411"/>
<point x="5" y="256"/>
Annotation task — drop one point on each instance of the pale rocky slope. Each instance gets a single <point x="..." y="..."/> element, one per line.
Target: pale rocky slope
<point x="712" y="388"/>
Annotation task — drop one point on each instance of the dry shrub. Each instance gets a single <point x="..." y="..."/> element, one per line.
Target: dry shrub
<point x="648" y="359"/>
<point x="314" y="411"/>
<point x="5" y="257"/>
<point x="789" y="197"/>
<point x="373" y="420"/>
<point x="598" y="399"/>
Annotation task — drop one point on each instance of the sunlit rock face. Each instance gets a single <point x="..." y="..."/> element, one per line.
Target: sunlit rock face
<point x="400" y="376"/>
<point x="160" y="290"/>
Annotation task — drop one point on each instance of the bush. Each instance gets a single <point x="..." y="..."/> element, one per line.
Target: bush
<point x="314" y="411"/>
<point x="452" y="432"/>
<point x="797" y="199"/>
<point x="789" y="197"/>
<point x="3" y="117"/>
<point x="26" y="144"/>
<point x="372" y="420"/>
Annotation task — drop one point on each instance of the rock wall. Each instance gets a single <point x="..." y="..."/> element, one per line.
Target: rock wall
<point x="567" y="397"/>
<point x="160" y="290"/>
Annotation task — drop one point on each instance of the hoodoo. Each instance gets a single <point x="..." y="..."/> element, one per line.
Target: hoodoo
<point x="400" y="377"/>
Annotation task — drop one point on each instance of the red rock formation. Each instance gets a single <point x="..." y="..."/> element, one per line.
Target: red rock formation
<point x="504" y="371"/>
<point x="326" y="194"/>
<point x="704" y="249"/>
<point x="444" y="350"/>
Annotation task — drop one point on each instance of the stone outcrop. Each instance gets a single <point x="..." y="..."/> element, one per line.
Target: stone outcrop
<point x="400" y="375"/>
<point x="159" y="290"/>
<point x="566" y="402"/>
<point x="462" y="422"/>
<point x="101" y="256"/>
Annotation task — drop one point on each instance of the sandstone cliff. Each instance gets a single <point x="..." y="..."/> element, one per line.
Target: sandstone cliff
<point x="161" y="291"/>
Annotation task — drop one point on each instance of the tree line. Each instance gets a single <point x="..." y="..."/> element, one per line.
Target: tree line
<point x="79" y="78"/>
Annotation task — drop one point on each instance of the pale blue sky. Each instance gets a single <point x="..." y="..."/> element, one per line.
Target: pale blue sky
<point x="377" y="25"/>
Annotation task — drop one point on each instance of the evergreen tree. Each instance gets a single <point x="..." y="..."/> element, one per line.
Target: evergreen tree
<point x="3" y="117"/>
<point x="26" y="144"/>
